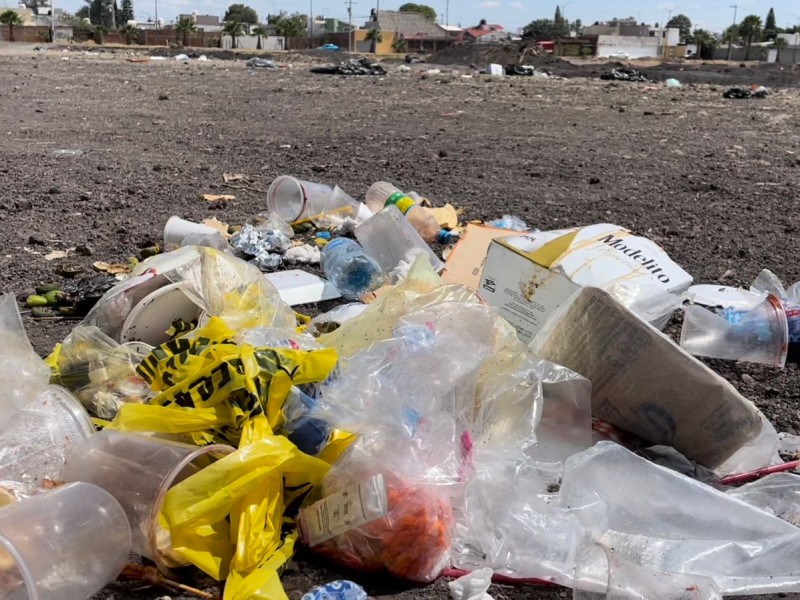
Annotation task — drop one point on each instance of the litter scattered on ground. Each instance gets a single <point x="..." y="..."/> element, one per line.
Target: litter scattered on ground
<point x="625" y="74"/>
<point x="510" y="412"/>
<point x="673" y="83"/>
<point x="362" y="66"/>
<point x="738" y="93"/>
<point x="261" y="63"/>
<point x="521" y="70"/>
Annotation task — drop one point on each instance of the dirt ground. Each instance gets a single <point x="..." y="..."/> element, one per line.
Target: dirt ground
<point x="713" y="181"/>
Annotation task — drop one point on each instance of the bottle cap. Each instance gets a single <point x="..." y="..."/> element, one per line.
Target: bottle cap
<point x="394" y="198"/>
<point x="405" y="204"/>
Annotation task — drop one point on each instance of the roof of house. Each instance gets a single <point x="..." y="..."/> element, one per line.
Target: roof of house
<point x="482" y="30"/>
<point x="451" y="28"/>
<point x="410" y="25"/>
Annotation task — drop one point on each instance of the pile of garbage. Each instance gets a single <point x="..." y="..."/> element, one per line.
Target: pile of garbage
<point x="625" y="74"/>
<point x="355" y="66"/>
<point x="509" y="412"/>
<point x="738" y="93"/>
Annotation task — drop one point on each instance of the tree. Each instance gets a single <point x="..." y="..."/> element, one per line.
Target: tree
<point x="82" y="13"/>
<point x="126" y="13"/>
<point x="706" y="42"/>
<point x="577" y="27"/>
<point x="750" y="29"/>
<point x="399" y="45"/>
<point x="426" y="11"/>
<point x="241" y="14"/>
<point x="184" y="27"/>
<point x="131" y="33"/>
<point x="288" y="25"/>
<point x="10" y="18"/>
<point x="375" y="37"/>
<point x="35" y="5"/>
<point x="100" y="31"/>
<point x="683" y="23"/>
<point x="779" y="44"/>
<point x="540" y="29"/>
<point x="560" y="25"/>
<point x="770" y="26"/>
<point x="233" y="29"/>
<point x="731" y="35"/>
<point x="260" y="31"/>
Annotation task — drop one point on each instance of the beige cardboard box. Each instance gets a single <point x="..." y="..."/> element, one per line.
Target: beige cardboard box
<point x="465" y="263"/>
<point x="645" y="383"/>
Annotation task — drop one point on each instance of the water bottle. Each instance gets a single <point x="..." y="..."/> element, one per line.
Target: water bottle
<point x="383" y="193"/>
<point x="350" y="269"/>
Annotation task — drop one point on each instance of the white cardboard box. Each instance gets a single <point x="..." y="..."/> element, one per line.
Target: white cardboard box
<point x="527" y="277"/>
<point x="495" y="70"/>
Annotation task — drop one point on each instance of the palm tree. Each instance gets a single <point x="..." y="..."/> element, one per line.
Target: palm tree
<point x="704" y="40"/>
<point x="779" y="44"/>
<point x="399" y="45"/>
<point x="185" y="27"/>
<point x="10" y="18"/>
<point x="750" y="30"/>
<point x="260" y="31"/>
<point x="376" y="37"/>
<point x="131" y="32"/>
<point x="233" y="29"/>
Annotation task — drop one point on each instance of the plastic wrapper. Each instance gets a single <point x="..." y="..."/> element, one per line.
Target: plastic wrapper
<point x="334" y="318"/>
<point x="473" y="586"/>
<point x="221" y="284"/>
<point x="664" y="521"/>
<point x="421" y="288"/>
<point x="99" y="371"/>
<point x="777" y="494"/>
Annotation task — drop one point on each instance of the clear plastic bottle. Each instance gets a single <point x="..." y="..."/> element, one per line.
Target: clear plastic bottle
<point x="383" y="193"/>
<point x="351" y="269"/>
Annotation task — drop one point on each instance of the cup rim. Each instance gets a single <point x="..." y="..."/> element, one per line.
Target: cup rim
<point x="27" y="576"/>
<point x="161" y="494"/>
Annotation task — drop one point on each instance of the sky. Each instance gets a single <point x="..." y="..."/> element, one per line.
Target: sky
<point x="715" y="15"/>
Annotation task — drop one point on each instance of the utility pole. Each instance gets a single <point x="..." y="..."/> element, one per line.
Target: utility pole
<point x="735" y="8"/>
<point x="665" y="33"/>
<point x="310" y="24"/>
<point x="157" y="25"/>
<point x="349" y="5"/>
<point x="52" y="22"/>
<point x="447" y="12"/>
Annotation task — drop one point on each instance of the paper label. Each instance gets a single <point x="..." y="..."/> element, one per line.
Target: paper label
<point x="340" y="512"/>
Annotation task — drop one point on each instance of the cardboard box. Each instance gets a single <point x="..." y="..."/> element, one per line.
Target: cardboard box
<point x="527" y="277"/>
<point x="645" y="383"/>
<point x="465" y="263"/>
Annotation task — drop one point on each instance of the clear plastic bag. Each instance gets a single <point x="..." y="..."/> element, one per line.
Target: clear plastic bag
<point x="777" y="494"/>
<point x="100" y="372"/>
<point x="23" y="375"/>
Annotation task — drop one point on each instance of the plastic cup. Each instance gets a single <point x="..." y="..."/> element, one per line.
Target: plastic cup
<point x="65" y="544"/>
<point x="176" y="229"/>
<point x="35" y="439"/>
<point x="138" y="471"/>
<point x="339" y="207"/>
<point x="293" y="199"/>
<point x="391" y="240"/>
<point x="601" y="574"/>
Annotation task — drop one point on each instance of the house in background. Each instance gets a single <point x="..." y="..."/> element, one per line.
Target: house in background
<point x="418" y="33"/>
<point x="622" y="27"/>
<point x="485" y="33"/>
<point x="209" y="23"/>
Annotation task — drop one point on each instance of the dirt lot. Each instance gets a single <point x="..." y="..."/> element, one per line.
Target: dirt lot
<point x="713" y="181"/>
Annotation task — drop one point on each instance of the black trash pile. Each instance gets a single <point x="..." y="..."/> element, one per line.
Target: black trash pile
<point x="625" y="74"/>
<point x="361" y="66"/>
<point x="737" y="93"/>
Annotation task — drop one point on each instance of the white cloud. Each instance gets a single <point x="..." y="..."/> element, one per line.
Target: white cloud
<point x="489" y="4"/>
<point x="517" y="5"/>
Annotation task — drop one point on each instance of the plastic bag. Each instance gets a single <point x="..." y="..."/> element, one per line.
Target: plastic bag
<point x="99" y="371"/>
<point x="473" y="586"/>
<point x="777" y="494"/>
<point x="412" y="540"/>
<point x="23" y="374"/>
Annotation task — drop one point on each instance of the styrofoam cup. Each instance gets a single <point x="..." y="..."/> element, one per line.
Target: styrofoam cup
<point x="176" y="229"/>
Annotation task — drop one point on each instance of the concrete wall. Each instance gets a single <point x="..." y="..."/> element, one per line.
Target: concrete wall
<point x="740" y="54"/>
<point x="33" y="35"/>
<point x="250" y="42"/>
<point x="636" y="47"/>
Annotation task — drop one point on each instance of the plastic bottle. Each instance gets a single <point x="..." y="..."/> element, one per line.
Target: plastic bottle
<point x="383" y="193"/>
<point x="351" y="269"/>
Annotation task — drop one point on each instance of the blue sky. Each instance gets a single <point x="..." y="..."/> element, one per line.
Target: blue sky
<point x="709" y="14"/>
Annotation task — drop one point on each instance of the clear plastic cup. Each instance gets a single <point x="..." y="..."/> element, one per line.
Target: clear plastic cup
<point x="341" y="206"/>
<point x="177" y="229"/>
<point x="138" y="471"/>
<point x="35" y="439"/>
<point x="392" y="241"/>
<point x="759" y="335"/>
<point x="65" y="544"/>
<point x="599" y="573"/>
<point x="293" y="199"/>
